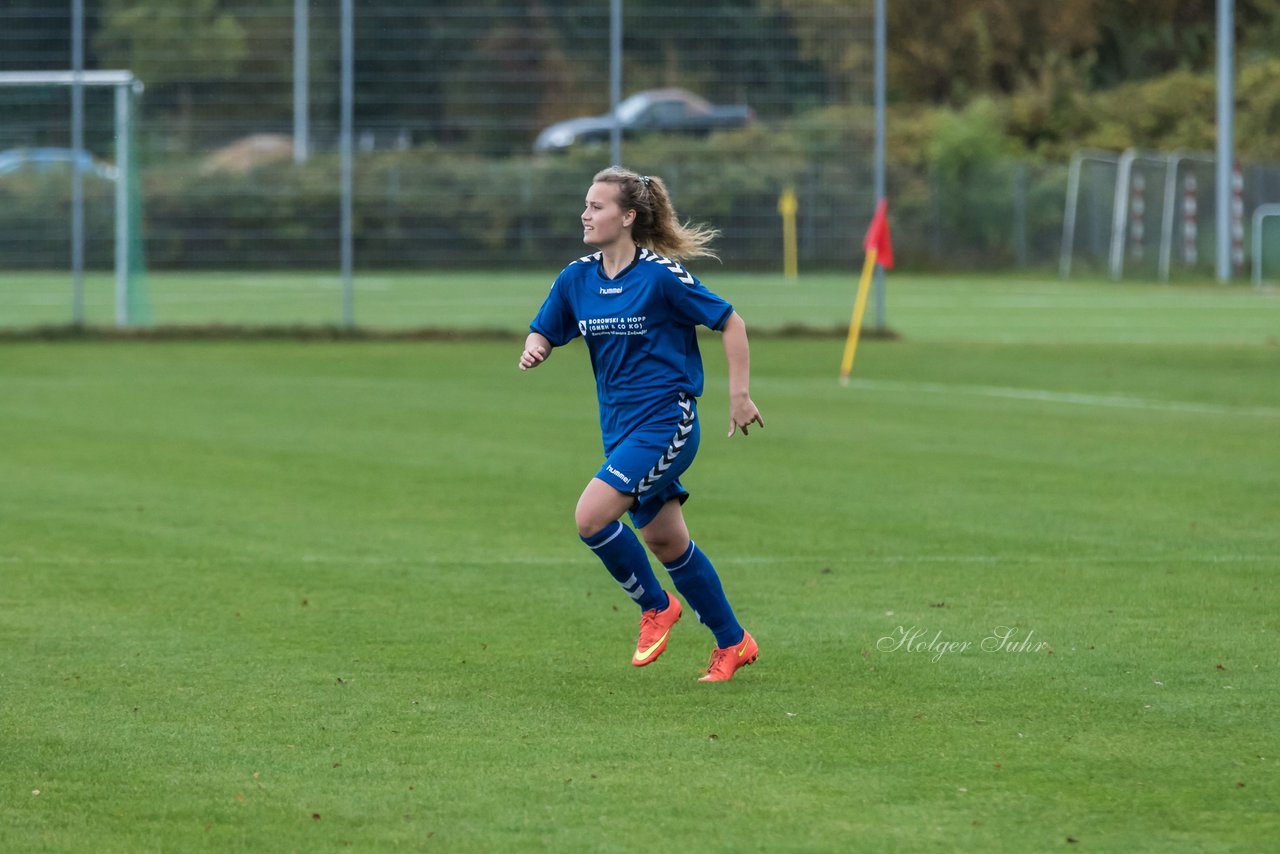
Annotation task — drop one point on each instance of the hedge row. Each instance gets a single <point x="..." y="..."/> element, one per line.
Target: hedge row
<point x="432" y="207"/>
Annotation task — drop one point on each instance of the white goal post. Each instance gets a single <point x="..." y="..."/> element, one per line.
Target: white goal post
<point x="125" y="85"/>
<point x="1126" y="205"/>
<point x="1260" y="213"/>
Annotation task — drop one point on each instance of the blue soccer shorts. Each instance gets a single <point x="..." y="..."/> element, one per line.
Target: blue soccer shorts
<point x="647" y="464"/>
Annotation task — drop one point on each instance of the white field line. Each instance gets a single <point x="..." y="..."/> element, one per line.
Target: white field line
<point x="1069" y="398"/>
<point x="981" y="307"/>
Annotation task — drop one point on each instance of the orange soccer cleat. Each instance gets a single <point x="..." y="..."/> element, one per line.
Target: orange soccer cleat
<point x="724" y="662"/>
<point x="655" y="626"/>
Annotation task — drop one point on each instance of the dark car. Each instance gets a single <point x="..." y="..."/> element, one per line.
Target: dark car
<point x="663" y="110"/>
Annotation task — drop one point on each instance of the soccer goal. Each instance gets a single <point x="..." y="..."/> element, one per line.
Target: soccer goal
<point x="1162" y="211"/>
<point x="131" y="303"/>
<point x="1260" y="215"/>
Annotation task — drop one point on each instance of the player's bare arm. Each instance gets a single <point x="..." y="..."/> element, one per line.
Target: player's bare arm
<point x="536" y="350"/>
<point x="737" y="352"/>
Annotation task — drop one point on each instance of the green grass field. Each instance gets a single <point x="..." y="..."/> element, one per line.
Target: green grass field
<point x="307" y="596"/>
<point x="1000" y="309"/>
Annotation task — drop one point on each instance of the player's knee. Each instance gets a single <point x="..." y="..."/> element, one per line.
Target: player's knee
<point x="666" y="547"/>
<point x="589" y="523"/>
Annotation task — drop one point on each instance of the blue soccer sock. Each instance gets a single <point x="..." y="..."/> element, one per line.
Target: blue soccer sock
<point x="697" y="581"/>
<point x="617" y="547"/>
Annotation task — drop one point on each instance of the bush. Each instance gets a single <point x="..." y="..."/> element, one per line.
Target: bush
<point x="977" y="187"/>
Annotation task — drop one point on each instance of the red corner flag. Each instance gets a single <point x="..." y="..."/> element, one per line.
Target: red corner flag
<point x="878" y="236"/>
<point x="879" y="251"/>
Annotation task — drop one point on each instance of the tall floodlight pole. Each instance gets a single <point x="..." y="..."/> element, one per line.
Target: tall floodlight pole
<point x="344" y="145"/>
<point x="879" y="154"/>
<point x="77" y="176"/>
<point x="615" y="78"/>
<point x="1226" y="136"/>
<point x="301" y="67"/>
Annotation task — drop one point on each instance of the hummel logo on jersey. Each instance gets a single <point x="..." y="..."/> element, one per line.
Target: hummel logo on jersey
<point x="610" y="290"/>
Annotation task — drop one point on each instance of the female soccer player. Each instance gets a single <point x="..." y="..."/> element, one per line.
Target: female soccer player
<point x="638" y="310"/>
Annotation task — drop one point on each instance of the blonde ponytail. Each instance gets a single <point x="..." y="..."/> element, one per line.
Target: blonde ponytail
<point x="656" y="226"/>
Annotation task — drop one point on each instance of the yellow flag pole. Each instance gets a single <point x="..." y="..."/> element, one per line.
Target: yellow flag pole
<point x="787" y="207"/>
<point x="855" y="325"/>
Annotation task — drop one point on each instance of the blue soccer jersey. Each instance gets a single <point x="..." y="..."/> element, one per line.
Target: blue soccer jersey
<point x="640" y="329"/>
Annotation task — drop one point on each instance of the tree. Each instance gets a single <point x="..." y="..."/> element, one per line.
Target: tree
<point x="172" y="45"/>
<point x="818" y="25"/>
<point x="978" y="46"/>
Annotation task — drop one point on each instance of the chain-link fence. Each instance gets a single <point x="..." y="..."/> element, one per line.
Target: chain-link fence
<point x="450" y="100"/>
<point x="477" y="125"/>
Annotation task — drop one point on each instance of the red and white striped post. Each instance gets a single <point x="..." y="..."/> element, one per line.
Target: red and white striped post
<point x="1237" y="219"/>
<point x="1189" y="229"/>
<point x="1137" y="215"/>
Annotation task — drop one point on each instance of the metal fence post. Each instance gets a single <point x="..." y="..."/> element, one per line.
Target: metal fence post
<point x="301" y="77"/>
<point x="1226" y="138"/>
<point x="615" y="79"/>
<point x="880" y="40"/>
<point x="348" y="95"/>
<point x="77" y="176"/>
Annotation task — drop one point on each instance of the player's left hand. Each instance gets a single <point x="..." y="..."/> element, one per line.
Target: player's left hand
<point x="742" y="414"/>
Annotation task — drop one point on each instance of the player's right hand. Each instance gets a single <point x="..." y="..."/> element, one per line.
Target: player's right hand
<point x="532" y="357"/>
